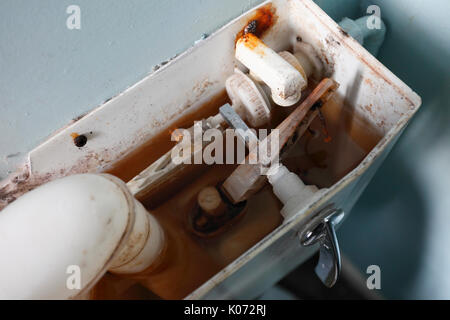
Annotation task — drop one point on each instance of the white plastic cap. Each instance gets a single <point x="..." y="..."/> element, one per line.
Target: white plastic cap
<point x="248" y="99"/>
<point x="284" y="80"/>
<point x="307" y="57"/>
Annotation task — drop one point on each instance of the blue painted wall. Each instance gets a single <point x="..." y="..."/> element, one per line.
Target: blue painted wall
<point x="402" y="220"/>
<point x="50" y="74"/>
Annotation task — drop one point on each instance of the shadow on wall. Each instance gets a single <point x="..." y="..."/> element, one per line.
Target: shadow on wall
<point x="390" y="224"/>
<point x="387" y="228"/>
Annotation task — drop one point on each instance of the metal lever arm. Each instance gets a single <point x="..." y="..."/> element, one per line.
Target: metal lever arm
<point x="328" y="267"/>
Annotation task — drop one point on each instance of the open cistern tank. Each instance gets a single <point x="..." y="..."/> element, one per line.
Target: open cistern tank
<point x="137" y="224"/>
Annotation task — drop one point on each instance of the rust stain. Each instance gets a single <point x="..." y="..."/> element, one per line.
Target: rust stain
<point x="253" y="43"/>
<point x="201" y="87"/>
<point x="111" y="160"/>
<point x="23" y="181"/>
<point x="176" y="134"/>
<point x="79" y="140"/>
<point x="260" y="22"/>
<point x="343" y="32"/>
<point x="19" y="183"/>
<point x="369" y="82"/>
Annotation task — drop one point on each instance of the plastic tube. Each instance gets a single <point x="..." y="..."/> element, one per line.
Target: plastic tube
<point x="59" y="239"/>
<point x="290" y="189"/>
<point x="283" y="79"/>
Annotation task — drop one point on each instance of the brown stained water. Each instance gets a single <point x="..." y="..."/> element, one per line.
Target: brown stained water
<point x="129" y="167"/>
<point x="190" y="260"/>
<point x="324" y="163"/>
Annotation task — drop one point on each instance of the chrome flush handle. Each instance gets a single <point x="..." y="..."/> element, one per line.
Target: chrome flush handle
<point x="329" y="265"/>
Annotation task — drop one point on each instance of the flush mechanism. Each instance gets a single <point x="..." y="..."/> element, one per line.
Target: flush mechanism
<point x="323" y="232"/>
<point x="213" y="213"/>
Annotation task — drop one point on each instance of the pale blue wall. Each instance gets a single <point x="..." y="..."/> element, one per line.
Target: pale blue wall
<point x="50" y="74"/>
<point x="402" y="220"/>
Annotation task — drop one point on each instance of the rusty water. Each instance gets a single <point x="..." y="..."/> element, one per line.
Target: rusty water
<point x="192" y="260"/>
